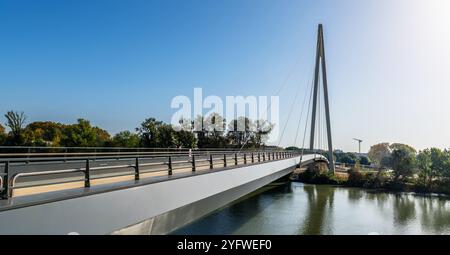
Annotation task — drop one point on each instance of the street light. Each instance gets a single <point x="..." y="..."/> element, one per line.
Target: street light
<point x="359" y="144"/>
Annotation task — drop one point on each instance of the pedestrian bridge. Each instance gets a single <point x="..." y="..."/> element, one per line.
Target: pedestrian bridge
<point x="131" y="194"/>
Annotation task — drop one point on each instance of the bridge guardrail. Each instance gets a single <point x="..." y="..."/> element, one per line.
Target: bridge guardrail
<point x="171" y="163"/>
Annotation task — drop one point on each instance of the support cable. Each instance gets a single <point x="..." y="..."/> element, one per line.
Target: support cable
<point x="276" y="94"/>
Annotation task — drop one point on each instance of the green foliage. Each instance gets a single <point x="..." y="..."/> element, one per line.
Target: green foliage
<point x="434" y="165"/>
<point x="83" y="134"/>
<point x="185" y="139"/>
<point x="363" y="160"/>
<point x="126" y="139"/>
<point x="403" y="163"/>
<point x="403" y="147"/>
<point x="242" y="131"/>
<point x="2" y="134"/>
<point x="317" y="173"/>
<point x="149" y="132"/>
<point x="347" y="158"/>
<point x="318" y="178"/>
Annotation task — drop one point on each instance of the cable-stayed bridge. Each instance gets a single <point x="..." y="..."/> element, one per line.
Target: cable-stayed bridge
<point x="146" y="191"/>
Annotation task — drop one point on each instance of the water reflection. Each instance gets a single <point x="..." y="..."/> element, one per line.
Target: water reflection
<point x="318" y="217"/>
<point x="435" y="214"/>
<point x="404" y="209"/>
<point x="296" y="208"/>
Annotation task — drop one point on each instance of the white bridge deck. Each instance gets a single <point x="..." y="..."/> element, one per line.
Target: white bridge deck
<point x="155" y="204"/>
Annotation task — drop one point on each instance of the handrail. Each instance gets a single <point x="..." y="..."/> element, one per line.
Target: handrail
<point x="123" y="155"/>
<point x="8" y="183"/>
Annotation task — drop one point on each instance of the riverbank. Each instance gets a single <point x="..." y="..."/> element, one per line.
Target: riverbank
<point x="380" y="180"/>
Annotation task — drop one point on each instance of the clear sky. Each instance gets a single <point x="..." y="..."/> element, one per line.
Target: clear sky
<point x="119" y="62"/>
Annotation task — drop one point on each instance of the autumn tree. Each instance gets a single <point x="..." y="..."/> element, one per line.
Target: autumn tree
<point x="380" y="154"/>
<point x="43" y="133"/>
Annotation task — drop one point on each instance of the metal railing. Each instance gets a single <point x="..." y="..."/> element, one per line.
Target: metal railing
<point x="170" y="162"/>
<point x="33" y="152"/>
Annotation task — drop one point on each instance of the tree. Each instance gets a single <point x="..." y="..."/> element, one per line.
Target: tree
<point x="184" y="136"/>
<point x="156" y="134"/>
<point x="403" y="163"/>
<point x="263" y="129"/>
<point x="380" y="153"/>
<point x="166" y="138"/>
<point x="440" y="162"/>
<point x="126" y="139"/>
<point x="363" y="160"/>
<point x="402" y="146"/>
<point x="2" y="135"/>
<point x="83" y="134"/>
<point x="210" y="130"/>
<point x="43" y="133"/>
<point x="185" y="139"/>
<point x="426" y="170"/>
<point x="149" y="132"/>
<point x="240" y="131"/>
<point x="16" y="121"/>
<point x="348" y="158"/>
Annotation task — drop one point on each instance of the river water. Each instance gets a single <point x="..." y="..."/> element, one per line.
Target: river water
<point x="297" y="208"/>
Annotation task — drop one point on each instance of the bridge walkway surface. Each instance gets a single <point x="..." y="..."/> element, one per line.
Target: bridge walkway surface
<point x="169" y="192"/>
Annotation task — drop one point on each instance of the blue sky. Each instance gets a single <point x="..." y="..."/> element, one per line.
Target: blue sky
<point x="119" y="62"/>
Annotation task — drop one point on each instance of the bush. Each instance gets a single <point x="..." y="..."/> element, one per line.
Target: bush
<point x="318" y="174"/>
<point x="355" y="178"/>
<point x="375" y="180"/>
<point x="319" y="178"/>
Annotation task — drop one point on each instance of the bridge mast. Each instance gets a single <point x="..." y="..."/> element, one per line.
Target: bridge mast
<point x="320" y="59"/>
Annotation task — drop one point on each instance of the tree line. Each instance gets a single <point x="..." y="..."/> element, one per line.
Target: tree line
<point x="205" y="132"/>
<point x="425" y="170"/>
<point x="397" y="167"/>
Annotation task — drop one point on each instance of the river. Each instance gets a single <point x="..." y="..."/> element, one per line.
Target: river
<point x="297" y="208"/>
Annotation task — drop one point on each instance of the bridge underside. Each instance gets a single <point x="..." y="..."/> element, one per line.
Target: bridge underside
<point x="152" y="208"/>
<point x="171" y="220"/>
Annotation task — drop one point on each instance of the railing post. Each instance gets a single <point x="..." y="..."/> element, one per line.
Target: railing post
<point x="224" y="160"/>
<point x="245" y="159"/>
<point x="193" y="163"/>
<point x="136" y="169"/>
<point x="253" y="158"/>
<point x="259" y="157"/>
<point x="170" y="165"/>
<point x="87" y="174"/>
<point x="211" y="163"/>
<point x="235" y="159"/>
<point x="5" y="193"/>
<point x="264" y="156"/>
<point x="268" y="155"/>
